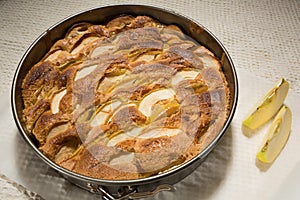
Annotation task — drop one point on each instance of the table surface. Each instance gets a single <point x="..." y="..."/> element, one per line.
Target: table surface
<point x="262" y="37"/>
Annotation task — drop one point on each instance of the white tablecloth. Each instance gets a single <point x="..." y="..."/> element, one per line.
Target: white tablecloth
<point x="263" y="39"/>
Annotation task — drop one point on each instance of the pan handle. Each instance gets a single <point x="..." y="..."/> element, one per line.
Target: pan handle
<point x="128" y="192"/>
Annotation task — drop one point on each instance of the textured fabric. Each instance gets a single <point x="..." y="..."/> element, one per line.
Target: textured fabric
<point x="229" y="171"/>
<point x="262" y="37"/>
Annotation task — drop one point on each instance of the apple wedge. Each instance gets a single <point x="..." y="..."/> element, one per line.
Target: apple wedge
<point x="146" y="104"/>
<point x="102" y="116"/>
<point x="184" y="75"/>
<point x="268" y="106"/>
<point x="276" y="136"/>
<point x="56" y="100"/>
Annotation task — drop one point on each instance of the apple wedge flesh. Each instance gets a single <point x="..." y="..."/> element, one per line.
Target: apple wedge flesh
<point x="146" y="104"/>
<point x="276" y="136"/>
<point x="268" y="106"/>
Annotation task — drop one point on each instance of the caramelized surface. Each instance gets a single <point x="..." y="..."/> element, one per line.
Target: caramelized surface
<point x="124" y="100"/>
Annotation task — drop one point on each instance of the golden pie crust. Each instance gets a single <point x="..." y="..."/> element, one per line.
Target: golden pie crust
<point x="124" y="100"/>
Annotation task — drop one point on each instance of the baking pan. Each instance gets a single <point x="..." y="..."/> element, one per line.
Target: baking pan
<point x="125" y="189"/>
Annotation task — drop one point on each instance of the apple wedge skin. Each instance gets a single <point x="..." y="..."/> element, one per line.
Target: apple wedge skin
<point x="276" y="136"/>
<point x="268" y="106"/>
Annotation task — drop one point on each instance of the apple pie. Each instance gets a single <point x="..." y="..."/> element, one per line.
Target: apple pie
<point x="126" y="99"/>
